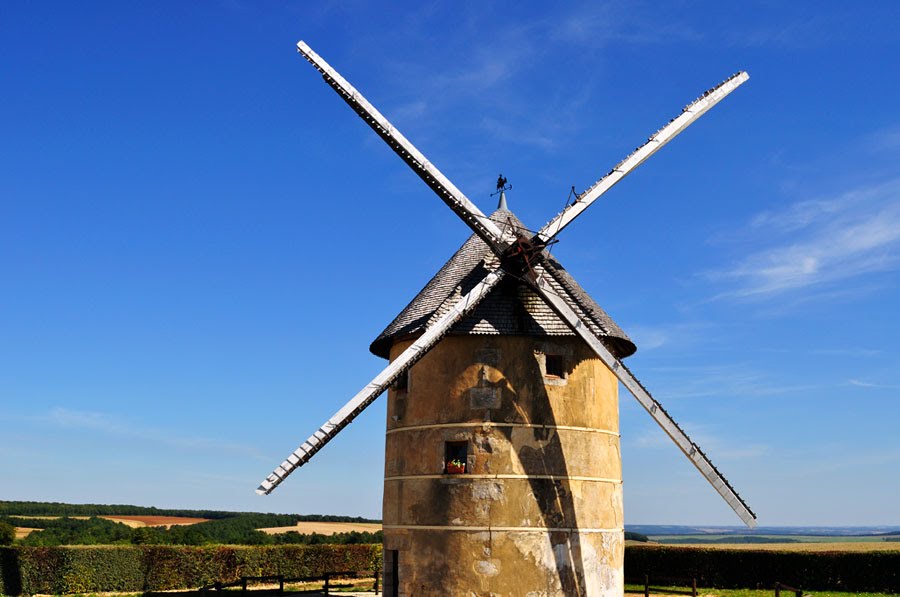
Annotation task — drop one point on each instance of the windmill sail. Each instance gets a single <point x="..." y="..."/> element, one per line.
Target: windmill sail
<point x="659" y="414"/>
<point x="512" y="249"/>
<point x="688" y="116"/>
<point x="382" y="381"/>
<point x="428" y="172"/>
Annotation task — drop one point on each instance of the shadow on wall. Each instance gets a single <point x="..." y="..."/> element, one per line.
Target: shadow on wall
<point x="554" y="497"/>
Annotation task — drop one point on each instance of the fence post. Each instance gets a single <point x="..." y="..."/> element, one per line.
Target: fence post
<point x="377" y="574"/>
<point x="694" y="587"/>
<point x="646" y="585"/>
<point x="326" y="583"/>
<point x="281" y="584"/>
<point x="778" y="589"/>
<point x="243" y="585"/>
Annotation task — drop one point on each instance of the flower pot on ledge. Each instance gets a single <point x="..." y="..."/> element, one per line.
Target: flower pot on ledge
<point x="456" y="468"/>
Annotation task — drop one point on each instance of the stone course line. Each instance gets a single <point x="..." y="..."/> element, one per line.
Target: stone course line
<point x="506" y="476"/>
<point x="479" y="529"/>
<point x="489" y="424"/>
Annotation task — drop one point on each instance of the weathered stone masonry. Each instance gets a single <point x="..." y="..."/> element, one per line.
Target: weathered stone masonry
<point x="538" y="510"/>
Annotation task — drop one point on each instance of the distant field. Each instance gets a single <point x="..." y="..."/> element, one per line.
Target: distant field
<point x="22" y="532"/>
<point x="46" y="517"/>
<point x="325" y="528"/>
<point x="704" y="539"/>
<point x="132" y="521"/>
<point x="154" y="521"/>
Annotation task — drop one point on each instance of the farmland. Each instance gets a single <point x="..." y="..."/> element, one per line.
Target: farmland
<point x="324" y="528"/>
<point x="155" y="521"/>
<point x="109" y="535"/>
<point x="792" y="539"/>
<point x="819" y="544"/>
<point x="133" y="521"/>
<point x="51" y="524"/>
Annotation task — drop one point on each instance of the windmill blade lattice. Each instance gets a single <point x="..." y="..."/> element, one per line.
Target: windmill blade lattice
<point x="519" y="253"/>
<point x="428" y="172"/>
<point x="382" y="381"/>
<point x="643" y="396"/>
<point x="688" y="116"/>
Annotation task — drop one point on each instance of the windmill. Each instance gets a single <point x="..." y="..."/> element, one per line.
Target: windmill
<point x="502" y="466"/>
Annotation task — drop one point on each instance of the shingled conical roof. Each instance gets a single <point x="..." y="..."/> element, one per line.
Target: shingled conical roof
<point x="511" y="308"/>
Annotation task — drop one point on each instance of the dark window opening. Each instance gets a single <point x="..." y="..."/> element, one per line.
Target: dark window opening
<point x="402" y="382"/>
<point x="455" y="454"/>
<point x="555" y="366"/>
<point x="391" y="573"/>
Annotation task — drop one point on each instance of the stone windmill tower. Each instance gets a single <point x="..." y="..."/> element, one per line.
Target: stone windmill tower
<point x="502" y="463"/>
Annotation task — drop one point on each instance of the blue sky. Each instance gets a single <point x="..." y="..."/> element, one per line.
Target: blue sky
<point x="198" y="239"/>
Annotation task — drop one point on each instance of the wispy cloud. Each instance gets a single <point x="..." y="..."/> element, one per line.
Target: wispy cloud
<point x="602" y="23"/>
<point x="814" y="244"/>
<point x="801" y="31"/>
<point x="113" y="425"/>
<point x="733" y="380"/>
<point x="649" y="337"/>
<point x="487" y="66"/>
<point x="704" y="436"/>
<point x="886" y="139"/>
<point x="505" y="131"/>
<point x="851" y="352"/>
<point x="875" y="386"/>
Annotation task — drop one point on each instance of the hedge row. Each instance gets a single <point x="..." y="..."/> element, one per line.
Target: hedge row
<point x="875" y="571"/>
<point x="60" y="570"/>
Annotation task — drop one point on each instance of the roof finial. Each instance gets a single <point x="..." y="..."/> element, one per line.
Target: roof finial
<point x="502" y="187"/>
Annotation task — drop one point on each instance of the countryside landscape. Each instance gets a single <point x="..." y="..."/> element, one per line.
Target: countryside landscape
<point x="451" y="299"/>
<point x="78" y="548"/>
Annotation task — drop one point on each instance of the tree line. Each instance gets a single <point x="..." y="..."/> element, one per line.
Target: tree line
<point x="9" y="508"/>
<point x="228" y="531"/>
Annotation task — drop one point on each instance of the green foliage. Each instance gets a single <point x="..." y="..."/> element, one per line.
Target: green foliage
<point x="877" y="571"/>
<point x="70" y="531"/>
<point x="59" y="509"/>
<point x="8" y="508"/>
<point x="237" y="529"/>
<point x="730" y="540"/>
<point x="7" y="533"/>
<point x="639" y="588"/>
<point x="351" y="538"/>
<point x="60" y="570"/>
<point x="632" y="536"/>
<point x="228" y="531"/>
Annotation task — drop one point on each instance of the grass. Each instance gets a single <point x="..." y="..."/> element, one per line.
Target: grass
<point x="855" y="546"/>
<point x="338" y="586"/>
<point x="639" y="590"/>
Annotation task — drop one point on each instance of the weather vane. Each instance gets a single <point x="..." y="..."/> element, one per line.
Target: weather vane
<point x="502" y="185"/>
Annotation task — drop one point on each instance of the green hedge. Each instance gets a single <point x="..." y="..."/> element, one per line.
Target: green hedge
<point x="60" y="570"/>
<point x="875" y="571"/>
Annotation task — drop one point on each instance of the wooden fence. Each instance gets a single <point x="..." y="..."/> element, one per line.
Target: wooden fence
<point x="328" y="579"/>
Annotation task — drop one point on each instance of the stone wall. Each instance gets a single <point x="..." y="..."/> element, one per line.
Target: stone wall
<point x="538" y="510"/>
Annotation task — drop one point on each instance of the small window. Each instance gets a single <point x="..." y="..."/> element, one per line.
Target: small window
<point x="401" y="384"/>
<point x="555" y="366"/>
<point x="455" y="456"/>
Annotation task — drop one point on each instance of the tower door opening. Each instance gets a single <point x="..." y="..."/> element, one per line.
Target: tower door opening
<point x="391" y="576"/>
